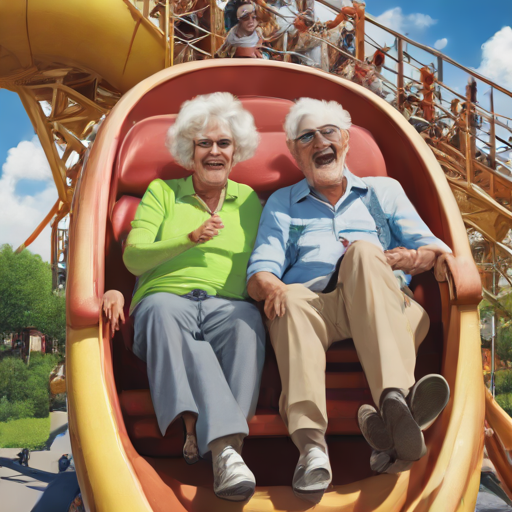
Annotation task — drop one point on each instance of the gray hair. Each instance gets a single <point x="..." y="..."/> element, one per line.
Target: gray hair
<point x="309" y="106"/>
<point x="197" y="114"/>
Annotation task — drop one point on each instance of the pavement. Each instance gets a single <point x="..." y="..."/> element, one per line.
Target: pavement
<point x="487" y="502"/>
<point x="19" y="493"/>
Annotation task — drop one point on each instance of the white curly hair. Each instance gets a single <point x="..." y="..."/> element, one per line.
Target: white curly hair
<point x="309" y="106"/>
<point x="198" y="114"/>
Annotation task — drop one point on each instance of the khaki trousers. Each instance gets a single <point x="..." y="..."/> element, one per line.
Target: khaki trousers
<point x="367" y="306"/>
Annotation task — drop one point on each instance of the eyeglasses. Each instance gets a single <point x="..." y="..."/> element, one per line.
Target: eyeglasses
<point x="331" y="133"/>
<point x="208" y="144"/>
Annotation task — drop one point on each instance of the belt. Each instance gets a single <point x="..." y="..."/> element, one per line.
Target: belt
<point x="198" y="296"/>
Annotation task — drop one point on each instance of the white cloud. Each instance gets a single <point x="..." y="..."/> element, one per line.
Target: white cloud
<point x="400" y="22"/>
<point x="496" y="61"/>
<point x="20" y="215"/>
<point x="496" y="64"/>
<point x="395" y="19"/>
<point x="441" y="43"/>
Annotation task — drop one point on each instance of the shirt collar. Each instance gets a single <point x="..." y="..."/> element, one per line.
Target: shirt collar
<point x="186" y="188"/>
<point x="302" y="189"/>
<point x="354" y="181"/>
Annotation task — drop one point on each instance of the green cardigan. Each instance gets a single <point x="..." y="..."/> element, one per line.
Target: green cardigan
<point x="160" y="253"/>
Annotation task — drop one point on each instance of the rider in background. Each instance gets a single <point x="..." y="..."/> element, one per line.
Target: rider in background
<point x="244" y="39"/>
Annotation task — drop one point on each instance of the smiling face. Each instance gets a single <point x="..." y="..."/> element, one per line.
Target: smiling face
<point x="213" y="157"/>
<point x="248" y="24"/>
<point x="322" y="157"/>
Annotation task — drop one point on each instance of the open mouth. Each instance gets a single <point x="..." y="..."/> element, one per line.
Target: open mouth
<point x="326" y="157"/>
<point x="214" y="166"/>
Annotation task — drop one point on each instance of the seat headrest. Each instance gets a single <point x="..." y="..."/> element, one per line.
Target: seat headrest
<point x="144" y="157"/>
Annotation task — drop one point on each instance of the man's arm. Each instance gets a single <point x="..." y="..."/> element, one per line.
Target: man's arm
<point x="266" y="286"/>
<point x="421" y="247"/>
<point x="269" y="261"/>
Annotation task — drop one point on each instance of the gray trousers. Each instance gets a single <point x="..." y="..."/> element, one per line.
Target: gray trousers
<point x="203" y="357"/>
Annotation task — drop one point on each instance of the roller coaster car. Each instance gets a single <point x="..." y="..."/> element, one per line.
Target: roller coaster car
<point x="110" y="404"/>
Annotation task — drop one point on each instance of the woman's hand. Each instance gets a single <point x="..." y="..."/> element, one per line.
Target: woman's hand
<point x="207" y="230"/>
<point x="113" y="304"/>
<point x="411" y="261"/>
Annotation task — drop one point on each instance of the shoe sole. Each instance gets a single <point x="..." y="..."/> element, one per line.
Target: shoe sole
<point x="312" y="496"/>
<point x="405" y="432"/>
<point x="239" y="492"/>
<point x="315" y="490"/>
<point x="374" y="429"/>
<point x="428" y="398"/>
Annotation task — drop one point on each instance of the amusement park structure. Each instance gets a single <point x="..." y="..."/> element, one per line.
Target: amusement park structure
<point x="93" y="76"/>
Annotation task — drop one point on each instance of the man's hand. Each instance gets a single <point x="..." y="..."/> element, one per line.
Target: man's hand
<point x="411" y="261"/>
<point x="275" y="303"/>
<point x="113" y="304"/>
<point x="266" y="286"/>
<point x="207" y="230"/>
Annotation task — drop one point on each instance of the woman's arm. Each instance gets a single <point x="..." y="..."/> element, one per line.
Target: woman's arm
<point x="142" y="255"/>
<point x="142" y="252"/>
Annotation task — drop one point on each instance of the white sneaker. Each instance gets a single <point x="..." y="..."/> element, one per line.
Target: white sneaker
<point x="312" y="475"/>
<point x="232" y="479"/>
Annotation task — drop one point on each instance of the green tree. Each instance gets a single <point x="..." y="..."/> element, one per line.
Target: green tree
<point x="14" y="378"/>
<point x="27" y="298"/>
<point x="25" y="389"/>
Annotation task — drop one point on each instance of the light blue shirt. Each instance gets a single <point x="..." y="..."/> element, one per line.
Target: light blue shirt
<point x="302" y="236"/>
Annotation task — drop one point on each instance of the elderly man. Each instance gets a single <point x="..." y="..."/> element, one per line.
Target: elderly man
<point x="323" y="263"/>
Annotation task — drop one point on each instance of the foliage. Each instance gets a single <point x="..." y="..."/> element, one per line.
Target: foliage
<point x="27" y="296"/>
<point x="41" y="403"/>
<point x="503" y="382"/>
<point x="25" y="389"/>
<point x="504" y="342"/>
<point x="31" y="433"/>
<point x="486" y="309"/>
<point x="505" y="402"/>
<point x="503" y="328"/>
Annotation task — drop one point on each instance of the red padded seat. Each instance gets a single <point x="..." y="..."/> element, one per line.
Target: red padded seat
<point x="142" y="158"/>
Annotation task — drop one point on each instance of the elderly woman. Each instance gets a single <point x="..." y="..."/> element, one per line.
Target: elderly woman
<point x="189" y="246"/>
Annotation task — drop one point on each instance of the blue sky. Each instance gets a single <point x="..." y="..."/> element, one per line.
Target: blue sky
<point x="15" y="125"/>
<point x="466" y="24"/>
<point x="27" y="192"/>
